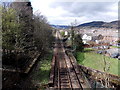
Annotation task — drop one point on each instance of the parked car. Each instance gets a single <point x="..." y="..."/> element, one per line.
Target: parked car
<point x="115" y="55"/>
<point x="118" y="45"/>
<point x="118" y="57"/>
<point x="101" y="47"/>
<point x="101" y="52"/>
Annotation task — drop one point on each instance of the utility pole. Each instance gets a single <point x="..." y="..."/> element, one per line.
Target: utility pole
<point x="73" y="25"/>
<point x="72" y="36"/>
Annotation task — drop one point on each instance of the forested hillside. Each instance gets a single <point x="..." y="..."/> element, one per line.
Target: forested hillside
<point x="25" y="36"/>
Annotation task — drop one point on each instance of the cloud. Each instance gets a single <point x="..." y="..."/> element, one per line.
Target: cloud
<point x="66" y="12"/>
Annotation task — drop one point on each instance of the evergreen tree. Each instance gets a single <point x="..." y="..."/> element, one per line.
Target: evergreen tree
<point x="78" y="43"/>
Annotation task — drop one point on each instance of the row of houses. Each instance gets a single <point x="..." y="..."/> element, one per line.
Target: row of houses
<point x="100" y="38"/>
<point x="98" y="35"/>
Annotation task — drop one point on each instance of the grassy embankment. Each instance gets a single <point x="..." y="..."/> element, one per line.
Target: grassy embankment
<point x="96" y="61"/>
<point x="41" y="75"/>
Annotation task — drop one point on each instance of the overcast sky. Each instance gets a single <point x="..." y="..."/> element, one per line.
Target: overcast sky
<point x="63" y="13"/>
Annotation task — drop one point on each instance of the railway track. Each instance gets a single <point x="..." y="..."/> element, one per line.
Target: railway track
<point x="64" y="70"/>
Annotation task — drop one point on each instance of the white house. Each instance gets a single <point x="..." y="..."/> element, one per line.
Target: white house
<point x="66" y="33"/>
<point x="86" y="38"/>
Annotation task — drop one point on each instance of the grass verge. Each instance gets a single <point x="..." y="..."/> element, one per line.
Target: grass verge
<point x="41" y="74"/>
<point x="115" y="47"/>
<point x="96" y="61"/>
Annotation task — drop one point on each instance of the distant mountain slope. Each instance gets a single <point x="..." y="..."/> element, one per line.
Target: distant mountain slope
<point x="60" y="26"/>
<point x="94" y="24"/>
<point x="113" y="24"/>
<point x="100" y="24"/>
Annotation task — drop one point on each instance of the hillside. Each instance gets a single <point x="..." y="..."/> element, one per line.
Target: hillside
<point x="94" y="24"/>
<point x="60" y="26"/>
<point x="100" y="24"/>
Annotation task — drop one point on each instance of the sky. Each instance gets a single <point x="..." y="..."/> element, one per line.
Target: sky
<point x="64" y="13"/>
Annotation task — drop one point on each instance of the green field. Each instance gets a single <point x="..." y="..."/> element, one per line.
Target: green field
<point x="115" y="47"/>
<point x="96" y="61"/>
